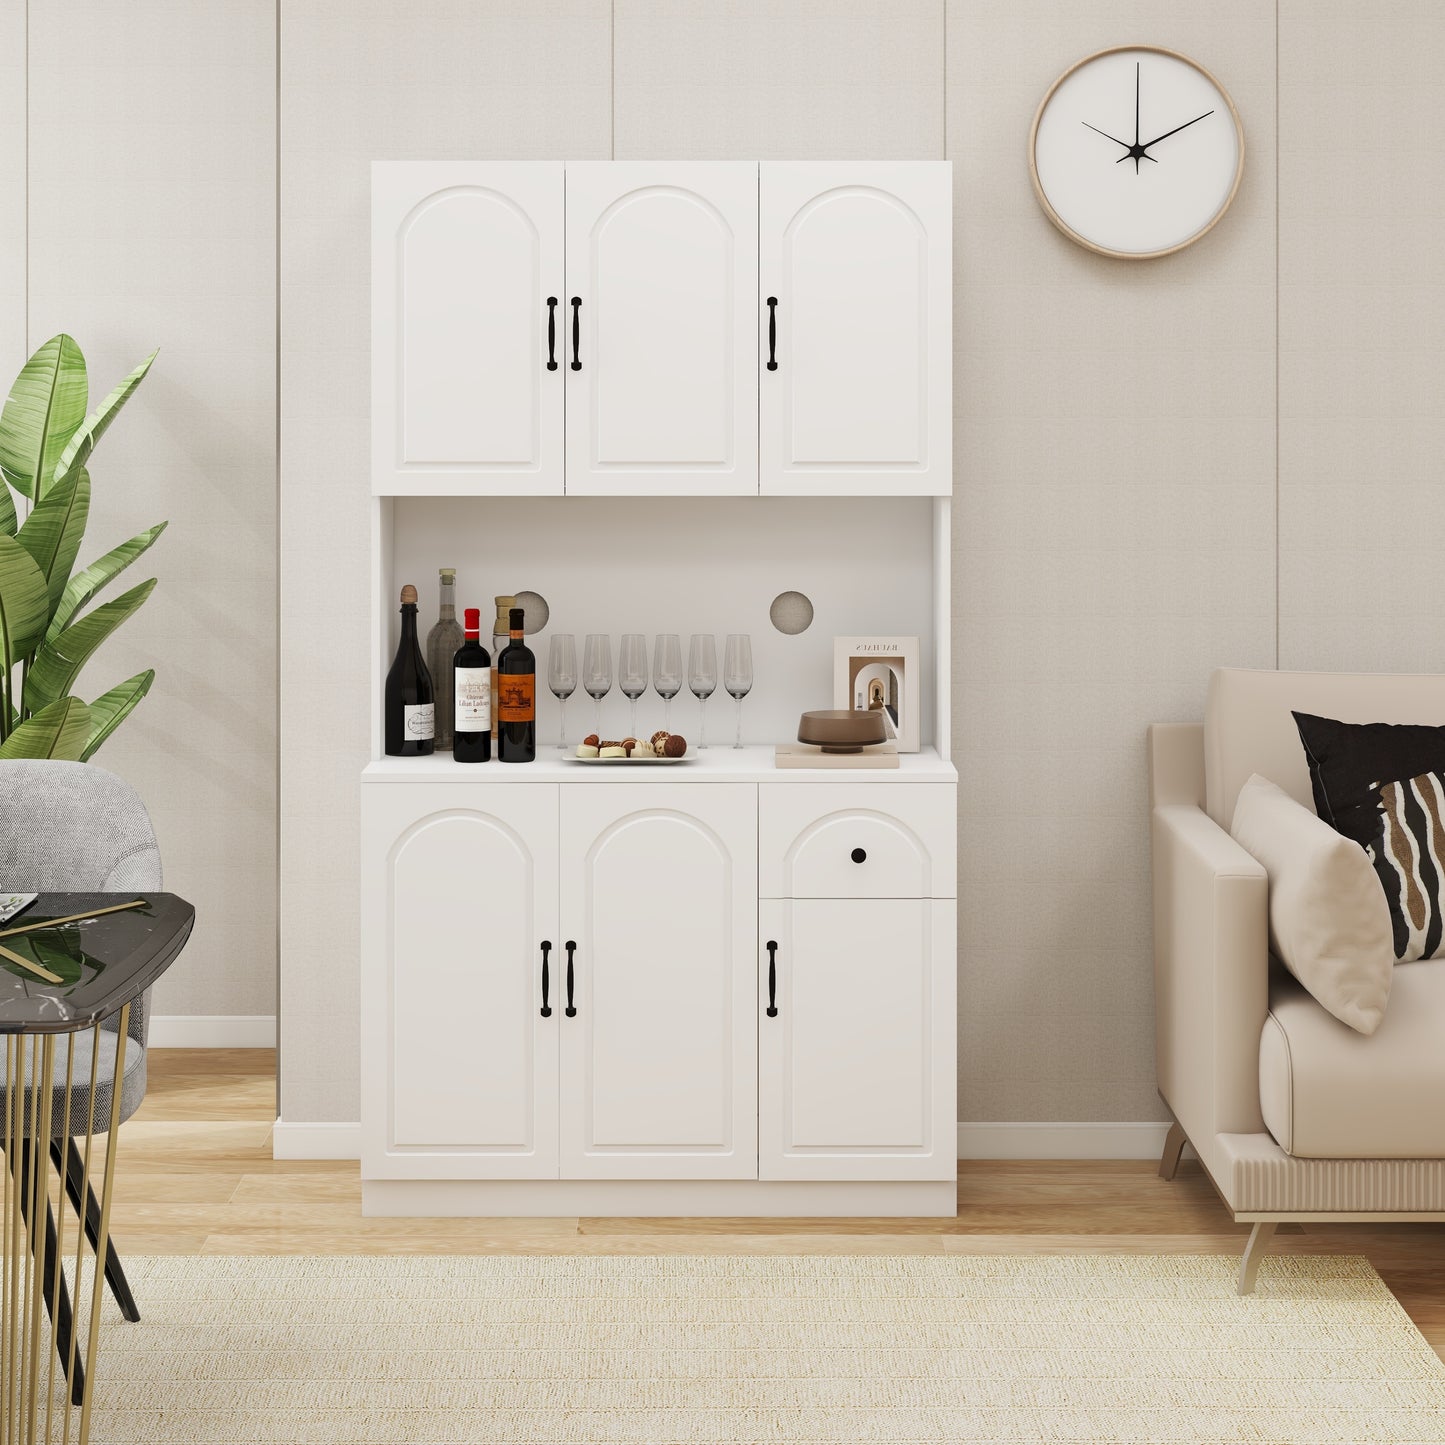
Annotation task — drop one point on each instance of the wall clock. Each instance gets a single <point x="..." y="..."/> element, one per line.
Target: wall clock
<point x="1136" y="152"/>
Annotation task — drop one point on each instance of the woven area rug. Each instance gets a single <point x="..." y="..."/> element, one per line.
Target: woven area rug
<point x="747" y="1349"/>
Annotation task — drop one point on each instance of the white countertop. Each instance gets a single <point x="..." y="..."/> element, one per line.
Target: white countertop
<point x="753" y="764"/>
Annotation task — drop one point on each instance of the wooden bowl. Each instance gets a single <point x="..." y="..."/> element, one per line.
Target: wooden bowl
<point x="841" y="730"/>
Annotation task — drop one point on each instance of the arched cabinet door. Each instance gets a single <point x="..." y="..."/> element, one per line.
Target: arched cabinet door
<point x="459" y="1065"/>
<point x="662" y="267"/>
<point x="855" y="301"/>
<point x="467" y="395"/>
<point x="659" y="899"/>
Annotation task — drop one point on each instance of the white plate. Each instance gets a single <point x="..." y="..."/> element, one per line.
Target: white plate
<point x="687" y="757"/>
<point x="13" y="903"/>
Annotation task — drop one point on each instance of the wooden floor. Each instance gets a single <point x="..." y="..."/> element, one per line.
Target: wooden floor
<point x="195" y="1176"/>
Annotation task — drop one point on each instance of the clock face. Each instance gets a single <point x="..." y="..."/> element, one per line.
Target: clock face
<point x="1136" y="152"/>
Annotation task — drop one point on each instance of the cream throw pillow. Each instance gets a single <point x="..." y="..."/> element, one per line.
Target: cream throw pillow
<point x="1329" y="922"/>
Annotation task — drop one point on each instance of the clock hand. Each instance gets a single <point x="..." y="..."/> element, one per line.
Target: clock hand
<point x="1176" y="130"/>
<point x="1142" y="156"/>
<point x="1136" y="105"/>
<point x="1107" y="136"/>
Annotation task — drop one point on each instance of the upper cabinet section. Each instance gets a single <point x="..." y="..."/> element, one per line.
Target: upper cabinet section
<point x="661" y="328"/>
<point x="467" y="276"/>
<point x="662" y="277"/>
<point x="857" y="353"/>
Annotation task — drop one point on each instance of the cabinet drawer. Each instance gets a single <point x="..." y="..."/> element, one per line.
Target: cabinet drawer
<point x="857" y="840"/>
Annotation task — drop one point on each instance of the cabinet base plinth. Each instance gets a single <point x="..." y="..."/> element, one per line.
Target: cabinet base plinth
<point x="654" y="1198"/>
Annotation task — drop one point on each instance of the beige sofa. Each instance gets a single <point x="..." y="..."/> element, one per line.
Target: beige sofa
<point x="1294" y="1115"/>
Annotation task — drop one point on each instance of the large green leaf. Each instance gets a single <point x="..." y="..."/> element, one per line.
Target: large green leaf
<point x="43" y="411"/>
<point x="108" y="712"/>
<point x="60" y="730"/>
<point x="84" y="585"/>
<point x="24" y="603"/>
<point x="52" y="531"/>
<point x="58" y="662"/>
<point x="8" y="519"/>
<point x="78" y="449"/>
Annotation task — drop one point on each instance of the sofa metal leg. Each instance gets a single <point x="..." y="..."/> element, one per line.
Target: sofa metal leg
<point x="1254" y="1251"/>
<point x="1173" y="1147"/>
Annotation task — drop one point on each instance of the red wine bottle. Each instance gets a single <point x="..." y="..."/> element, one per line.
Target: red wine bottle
<point x="472" y="671"/>
<point x="516" y="698"/>
<point x="410" y="717"/>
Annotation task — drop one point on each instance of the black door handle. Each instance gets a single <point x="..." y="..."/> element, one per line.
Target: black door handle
<point x="772" y="333"/>
<point x="576" y="333"/>
<point x="772" y="978"/>
<point x="546" y="980"/>
<point x="570" y="1010"/>
<point x="551" y="333"/>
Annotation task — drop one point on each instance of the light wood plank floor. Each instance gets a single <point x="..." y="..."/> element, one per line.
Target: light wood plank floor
<point x="195" y="1176"/>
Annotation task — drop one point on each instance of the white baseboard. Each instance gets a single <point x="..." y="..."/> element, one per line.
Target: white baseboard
<point x="315" y="1141"/>
<point x="1061" y="1141"/>
<point x="975" y="1141"/>
<point x="212" y="1031"/>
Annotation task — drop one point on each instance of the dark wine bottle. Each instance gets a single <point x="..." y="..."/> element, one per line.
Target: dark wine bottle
<point x="472" y="671"/>
<point x="516" y="698"/>
<point x="410" y="717"/>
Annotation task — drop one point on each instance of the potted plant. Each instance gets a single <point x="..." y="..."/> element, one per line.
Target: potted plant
<point x="47" y="436"/>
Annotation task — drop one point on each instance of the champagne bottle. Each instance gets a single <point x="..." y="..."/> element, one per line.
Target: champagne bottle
<point x="516" y="697"/>
<point x="500" y="639"/>
<point x="441" y="646"/>
<point x="472" y="674"/>
<point x="409" y="712"/>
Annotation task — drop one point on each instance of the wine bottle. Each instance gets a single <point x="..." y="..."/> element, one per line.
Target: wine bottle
<point x="441" y="646"/>
<point x="410" y="713"/>
<point x="472" y="676"/>
<point x="499" y="646"/>
<point x="516" y="697"/>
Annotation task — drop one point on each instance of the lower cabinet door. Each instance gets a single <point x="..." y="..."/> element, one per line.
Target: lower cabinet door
<point x="659" y="909"/>
<point x="856" y="1076"/>
<point x="459" y="1065"/>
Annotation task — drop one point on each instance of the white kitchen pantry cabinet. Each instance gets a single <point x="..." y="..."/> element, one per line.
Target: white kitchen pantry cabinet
<point x="661" y="328"/>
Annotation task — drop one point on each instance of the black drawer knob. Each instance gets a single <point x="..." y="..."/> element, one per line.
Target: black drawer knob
<point x="858" y="856"/>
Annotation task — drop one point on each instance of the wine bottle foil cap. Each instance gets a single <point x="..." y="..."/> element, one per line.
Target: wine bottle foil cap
<point x="503" y="602"/>
<point x="408" y="595"/>
<point x="515" y="617"/>
<point x="447" y="574"/>
<point x="473" y="618"/>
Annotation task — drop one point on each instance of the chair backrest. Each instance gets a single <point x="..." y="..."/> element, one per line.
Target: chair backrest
<point x="75" y="828"/>
<point x="1248" y="727"/>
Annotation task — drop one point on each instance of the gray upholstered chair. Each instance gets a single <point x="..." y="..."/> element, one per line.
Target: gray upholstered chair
<point x="75" y="828"/>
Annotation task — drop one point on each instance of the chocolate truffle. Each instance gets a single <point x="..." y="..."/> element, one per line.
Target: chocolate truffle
<point x="675" y="746"/>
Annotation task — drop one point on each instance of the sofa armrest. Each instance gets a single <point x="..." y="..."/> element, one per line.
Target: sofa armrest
<point x="1211" y="974"/>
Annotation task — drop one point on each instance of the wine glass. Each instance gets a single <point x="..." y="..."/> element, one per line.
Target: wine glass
<point x="597" y="670"/>
<point x="702" y="676"/>
<point x="632" y="672"/>
<point x="667" y="673"/>
<point x="562" y="676"/>
<point x="738" y="673"/>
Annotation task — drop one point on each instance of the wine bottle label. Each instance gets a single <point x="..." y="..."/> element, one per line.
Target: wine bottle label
<point x="474" y="699"/>
<point x="419" y="720"/>
<point x="516" y="697"/>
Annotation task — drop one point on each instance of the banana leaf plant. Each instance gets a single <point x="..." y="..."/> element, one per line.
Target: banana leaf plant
<point x="47" y="436"/>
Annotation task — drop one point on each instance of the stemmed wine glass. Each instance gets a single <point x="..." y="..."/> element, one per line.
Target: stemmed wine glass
<point x="597" y="670"/>
<point x="632" y="672"/>
<point x="562" y="676"/>
<point x="667" y="673"/>
<point x="738" y="673"/>
<point x="702" y="676"/>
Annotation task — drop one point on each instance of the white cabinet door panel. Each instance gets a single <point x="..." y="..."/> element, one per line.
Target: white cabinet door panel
<point x="857" y="260"/>
<point x="465" y="256"/>
<point x="856" y="1069"/>
<point x="662" y="290"/>
<point x="459" y="1066"/>
<point x="659" y="1069"/>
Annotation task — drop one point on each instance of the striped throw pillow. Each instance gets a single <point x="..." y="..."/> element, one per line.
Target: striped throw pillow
<point x="1409" y="857"/>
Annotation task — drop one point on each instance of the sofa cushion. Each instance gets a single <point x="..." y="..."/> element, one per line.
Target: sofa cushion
<point x="1327" y="1092"/>
<point x="1329" y="922"/>
<point x="1249" y="727"/>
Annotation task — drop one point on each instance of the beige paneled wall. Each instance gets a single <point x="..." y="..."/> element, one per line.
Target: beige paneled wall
<point x="1362" y="333"/>
<point x="12" y="187"/>
<point x="528" y="80"/>
<point x="152" y="222"/>
<point x="1114" y="540"/>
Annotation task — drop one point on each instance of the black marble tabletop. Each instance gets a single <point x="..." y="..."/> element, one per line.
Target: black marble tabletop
<point x="102" y="963"/>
